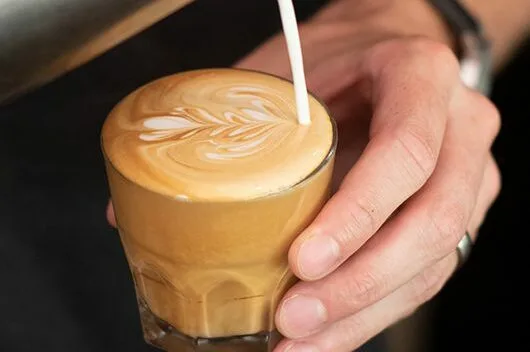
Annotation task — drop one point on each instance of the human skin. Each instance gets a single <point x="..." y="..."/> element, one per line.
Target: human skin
<point x="414" y="169"/>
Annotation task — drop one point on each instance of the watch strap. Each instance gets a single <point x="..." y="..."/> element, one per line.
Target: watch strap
<point x="474" y="49"/>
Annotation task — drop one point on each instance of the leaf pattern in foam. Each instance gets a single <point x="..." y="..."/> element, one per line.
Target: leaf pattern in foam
<point x="229" y="135"/>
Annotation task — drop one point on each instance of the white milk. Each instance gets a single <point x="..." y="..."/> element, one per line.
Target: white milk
<point x="292" y="37"/>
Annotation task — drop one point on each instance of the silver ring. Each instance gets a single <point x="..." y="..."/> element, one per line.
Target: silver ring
<point x="464" y="248"/>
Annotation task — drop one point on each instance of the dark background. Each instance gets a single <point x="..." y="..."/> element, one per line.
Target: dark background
<point x="486" y="305"/>
<point x="65" y="284"/>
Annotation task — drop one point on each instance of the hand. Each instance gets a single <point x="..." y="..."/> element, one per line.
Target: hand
<point x="414" y="172"/>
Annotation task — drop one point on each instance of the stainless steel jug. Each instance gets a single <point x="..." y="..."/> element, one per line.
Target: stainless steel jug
<point x="43" y="39"/>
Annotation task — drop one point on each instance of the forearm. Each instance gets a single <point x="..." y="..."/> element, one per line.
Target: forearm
<point x="506" y="22"/>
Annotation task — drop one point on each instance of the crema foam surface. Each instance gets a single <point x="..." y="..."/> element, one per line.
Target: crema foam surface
<point x="216" y="135"/>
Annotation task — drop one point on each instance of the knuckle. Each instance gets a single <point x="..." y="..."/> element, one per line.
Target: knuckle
<point x="361" y="215"/>
<point x="449" y="221"/>
<point x="491" y="119"/>
<point x="361" y="292"/>
<point x="430" y="57"/>
<point x="421" y="55"/>
<point x="419" y="153"/>
<point x="486" y="115"/>
<point x="440" y="56"/>
<point x="427" y="284"/>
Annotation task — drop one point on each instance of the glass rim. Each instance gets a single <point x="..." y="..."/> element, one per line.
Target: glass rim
<point x="325" y="161"/>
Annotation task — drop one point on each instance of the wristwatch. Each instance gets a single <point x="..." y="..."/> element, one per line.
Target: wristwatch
<point x="474" y="49"/>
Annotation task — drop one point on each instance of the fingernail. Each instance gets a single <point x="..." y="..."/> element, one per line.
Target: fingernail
<point x="317" y="256"/>
<point x="301" y="315"/>
<point x="301" y="347"/>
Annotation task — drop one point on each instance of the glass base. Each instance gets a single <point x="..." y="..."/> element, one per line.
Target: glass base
<point x="160" y="334"/>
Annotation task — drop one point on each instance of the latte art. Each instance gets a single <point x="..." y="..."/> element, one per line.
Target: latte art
<point x="227" y="136"/>
<point x="216" y="133"/>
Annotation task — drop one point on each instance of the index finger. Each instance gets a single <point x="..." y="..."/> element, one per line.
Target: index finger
<point x="412" y="85"/>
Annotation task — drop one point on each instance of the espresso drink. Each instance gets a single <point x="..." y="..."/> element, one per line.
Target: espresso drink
<point x="212" y="178"/>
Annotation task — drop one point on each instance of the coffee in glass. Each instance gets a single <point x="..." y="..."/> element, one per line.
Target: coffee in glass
<point x="212" y="178"/>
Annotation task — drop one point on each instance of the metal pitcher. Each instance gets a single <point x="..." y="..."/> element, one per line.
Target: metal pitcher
<point x="42" y="39"/>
